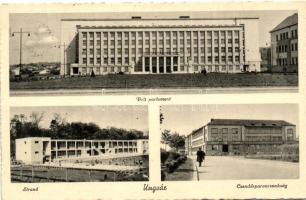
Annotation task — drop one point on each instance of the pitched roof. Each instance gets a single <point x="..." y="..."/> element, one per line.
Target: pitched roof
<point x="250" y="122"/>
<point x="289" y="21"/>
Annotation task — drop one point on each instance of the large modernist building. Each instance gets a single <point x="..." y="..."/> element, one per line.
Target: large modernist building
<point x="284" y="44"/>
<point x="237" y="137"/>
<point x="158" y="45"/>
<point x="38" y="150"/>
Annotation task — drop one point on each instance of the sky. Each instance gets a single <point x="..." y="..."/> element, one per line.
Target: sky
<point x="186" y="118"/>
<point x="43" y="43"/>
<point x="127" y="117"/>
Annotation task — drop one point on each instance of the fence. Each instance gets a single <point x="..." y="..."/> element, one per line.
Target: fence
<point x="31" y="173"/>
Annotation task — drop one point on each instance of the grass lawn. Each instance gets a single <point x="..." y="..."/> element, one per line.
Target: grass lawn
<point x="183" y="173"/>
<point x="154" y="81"/>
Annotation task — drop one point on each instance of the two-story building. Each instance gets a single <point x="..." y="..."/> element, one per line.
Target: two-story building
<point x="38" y="150"/>
<point x="239" y="136"/>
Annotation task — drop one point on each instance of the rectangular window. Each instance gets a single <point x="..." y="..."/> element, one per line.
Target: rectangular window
<point x="214" y="131"/>
<point x="112" y="60"/>
<point x="36" y="142"/>
<point x="236" y="58"/>
<point x="119" y="60"/>
<point x="224" y="130"/>
<point x="36" y="152"/>
<point x="91" y="60"/>
<point x="216" y="58"/>
<point x="209" y="58"/>
<point x="216" y="49"/>
<point x="126" y="60"/>
<point x="230" y="49"/>
<point x="98" y="60"/>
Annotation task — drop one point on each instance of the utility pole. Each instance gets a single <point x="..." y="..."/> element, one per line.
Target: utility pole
<point x="20" y="48"/>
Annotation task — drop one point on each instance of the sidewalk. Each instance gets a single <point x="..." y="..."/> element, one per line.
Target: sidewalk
<point x="239" y="168"/>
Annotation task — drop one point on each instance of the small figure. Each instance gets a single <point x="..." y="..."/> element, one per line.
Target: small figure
<point x="200" y="156"/>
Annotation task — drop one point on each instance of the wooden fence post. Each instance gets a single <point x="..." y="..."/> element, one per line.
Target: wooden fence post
<point x="48" y="174"/>
<point x="66" y="174"/>
<point x="89" y="174"/>
<point x="32" y="173"/>
<point x="21" y="172"/>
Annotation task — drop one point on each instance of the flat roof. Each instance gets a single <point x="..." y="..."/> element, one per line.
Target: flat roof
<point x="158" y="19"/>
<point x="250" y="122"/>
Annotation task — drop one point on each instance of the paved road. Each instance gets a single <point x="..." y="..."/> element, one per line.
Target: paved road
<point x="160" y="91"/>
<point x="236" y="168"/>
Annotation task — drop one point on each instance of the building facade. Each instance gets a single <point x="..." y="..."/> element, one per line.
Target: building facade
<point x="38" y="150"/>
<point x="239" y="137"/>
<point x="284" y="44"/>
<point x="160" y="45"/>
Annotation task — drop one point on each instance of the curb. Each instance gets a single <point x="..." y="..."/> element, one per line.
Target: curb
<point x="195" y="171"/>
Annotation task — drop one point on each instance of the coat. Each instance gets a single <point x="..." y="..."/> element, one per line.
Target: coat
<point x="200" y="156"/>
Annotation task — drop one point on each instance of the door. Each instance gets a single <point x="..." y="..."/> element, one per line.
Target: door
<point x="225" y="148"/>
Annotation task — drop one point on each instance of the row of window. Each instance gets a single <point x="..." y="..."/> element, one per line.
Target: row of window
<point x="175" y="34"/>
<point x="160" y="42"/>
<point x="196" y="59"/>
<point x="197" y="68"/>
<point x="161" y="50"/>
<point x="285" y="35"/>
<point x="283" y="48"/>
<point x="284" y="61"/>
<point x="224" y="130"/>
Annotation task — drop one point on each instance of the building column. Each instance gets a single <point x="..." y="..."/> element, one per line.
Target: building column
<point x="108" y="49"/>
<point x="87" y="52"/>
<point x="213" y="48"/>
<point x="165" y="71"/>
<point x="143" y="51"/>
<point x="143" y="64"/>
<point x="94" y="49"/>
<point x="136" y="49"/>
<point x="171" y="64"/>
<point x="178" y="50"/>
<point x="116" y="52"/>
<point x="205" y="48"/>
<point x="157" y="51"/>
<point x="150" y="51"/>
<point x="130" y="48"/>
<point x="186" y="61"/>
<point x="233" y="46"/>
<point x="199" y="50"/>
<point x="157" y="64"/>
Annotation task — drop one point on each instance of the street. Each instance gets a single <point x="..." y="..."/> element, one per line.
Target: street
<point x="236" y="168"/>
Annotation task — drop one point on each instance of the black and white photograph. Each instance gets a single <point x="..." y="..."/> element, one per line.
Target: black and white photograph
<point x="79" y="144"/>
<point x="229" y="142"/>
<point x="153" y="52"/>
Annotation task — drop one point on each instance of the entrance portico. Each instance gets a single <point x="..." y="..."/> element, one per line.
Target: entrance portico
<point x="160" y="63"/>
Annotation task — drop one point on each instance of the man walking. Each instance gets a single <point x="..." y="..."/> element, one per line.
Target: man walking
<point x="200" y="156"/>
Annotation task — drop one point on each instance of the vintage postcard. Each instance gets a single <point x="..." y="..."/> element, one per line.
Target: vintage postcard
<point x="142" y="52"/>
<point x="153" y="101"/>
